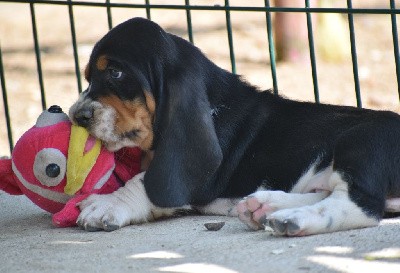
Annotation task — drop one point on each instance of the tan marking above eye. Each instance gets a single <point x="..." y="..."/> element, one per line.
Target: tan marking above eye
<point x="102" y="63"/>
<point x="130" y="116"/>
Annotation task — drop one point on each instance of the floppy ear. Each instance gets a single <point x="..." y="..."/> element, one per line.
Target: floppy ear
<point x="187" y="152"/>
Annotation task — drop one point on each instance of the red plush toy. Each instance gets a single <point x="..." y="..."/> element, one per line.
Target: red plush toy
<point x="57" y="165"/>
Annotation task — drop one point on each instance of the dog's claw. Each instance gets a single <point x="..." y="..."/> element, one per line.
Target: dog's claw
<point x="110" y="227"/>
<point x="91" y="228"/>
<point x="285" y="227"/>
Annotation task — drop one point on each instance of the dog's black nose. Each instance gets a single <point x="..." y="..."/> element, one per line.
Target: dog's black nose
<point x="83" y="116"/>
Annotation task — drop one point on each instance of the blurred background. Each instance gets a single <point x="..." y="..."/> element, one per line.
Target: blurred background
<point x="373" y="33"/>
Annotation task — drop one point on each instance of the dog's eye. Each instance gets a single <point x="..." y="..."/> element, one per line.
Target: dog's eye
<point x="116" y="74"/>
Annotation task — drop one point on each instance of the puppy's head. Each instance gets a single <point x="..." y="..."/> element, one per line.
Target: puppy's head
<point x="118" y="106"/>
<point x="148" y="88"/>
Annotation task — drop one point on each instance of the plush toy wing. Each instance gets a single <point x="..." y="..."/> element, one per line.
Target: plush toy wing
<point x="7" y="178"/>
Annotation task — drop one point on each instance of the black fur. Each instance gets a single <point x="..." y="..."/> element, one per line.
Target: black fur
<point x="218" y="136"/>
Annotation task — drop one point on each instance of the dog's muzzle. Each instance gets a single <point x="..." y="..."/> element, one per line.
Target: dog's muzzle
<point x="83" y="116"/>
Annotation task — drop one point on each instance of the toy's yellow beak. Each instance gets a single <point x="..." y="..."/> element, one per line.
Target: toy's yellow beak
<point x="79" y="163"/>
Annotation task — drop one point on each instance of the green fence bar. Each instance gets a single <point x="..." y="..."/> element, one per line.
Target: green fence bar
<point x="395" y="45"/>
<point x="271" y="48"/>
<point x="214" y="7"/>
<point x="38" y="58"/>
<point x="230" y="39"/>
<point x="74" y="46"/>
<point x="189" y="21"/>
<point x="148" y="9"/>
<point x="5" y="104"/>
<point x="312" y="52"/>
<point x="354" y="55"/>
<point x="109" y="17"/>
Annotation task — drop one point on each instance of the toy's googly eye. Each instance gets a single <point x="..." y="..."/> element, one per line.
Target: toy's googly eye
<point x="50" y="167"/>
<point x="52" y="170"/>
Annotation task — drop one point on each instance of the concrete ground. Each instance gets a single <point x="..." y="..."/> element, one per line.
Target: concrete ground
<point x="29" y="243"/>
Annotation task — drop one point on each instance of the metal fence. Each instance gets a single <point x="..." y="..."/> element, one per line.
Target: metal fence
<point x="186" y="6"/>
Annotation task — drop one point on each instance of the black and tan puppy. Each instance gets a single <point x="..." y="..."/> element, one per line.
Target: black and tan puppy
<point x="309" y="168"/>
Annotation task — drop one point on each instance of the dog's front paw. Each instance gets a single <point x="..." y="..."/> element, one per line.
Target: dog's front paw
<point x="254" y="209"/>
<point x="103" y="212"/>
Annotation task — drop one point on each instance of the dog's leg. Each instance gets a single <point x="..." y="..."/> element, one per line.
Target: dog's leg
<point x="392" y="205"/>
<point x="311" y="188"/>
<point x="220" y="206"/>
<point x="127" y="205"/>
<point x="334" y="213"/>
<point x="254" y="209"/>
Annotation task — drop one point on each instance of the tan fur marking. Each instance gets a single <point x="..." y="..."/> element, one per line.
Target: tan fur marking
<point x="86" y="73"/>
<point x="150" y="102"/>
<point x="102" y="62"/>
<point x="147" y="157"/>
<point x="132" y="115"/>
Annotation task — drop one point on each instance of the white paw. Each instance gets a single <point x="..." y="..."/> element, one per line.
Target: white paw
<point x="104" y="212"/>
<point x="290" y="222"/>
<point x="254" y="209"/>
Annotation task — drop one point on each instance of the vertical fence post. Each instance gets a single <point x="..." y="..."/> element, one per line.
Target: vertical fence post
<point x="148" y="14"/>
<point x="74" y="45"/>
<point x="5" y="104"/>
<point x="354" y="54"/>
<point x="395" y="44"/>
<point x="230" y="40"/>
<point x="38" y="58"/>
<point x="312" y="52"/>
<point x="109" y="17"/>
<point x="189" y="21"/>
<point x="271" y="48"/>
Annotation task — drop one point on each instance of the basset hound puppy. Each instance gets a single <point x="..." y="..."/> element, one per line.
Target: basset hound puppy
<point x="221" y="146"/>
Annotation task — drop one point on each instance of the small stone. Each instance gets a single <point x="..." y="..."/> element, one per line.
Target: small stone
<point x="214" y="226"/>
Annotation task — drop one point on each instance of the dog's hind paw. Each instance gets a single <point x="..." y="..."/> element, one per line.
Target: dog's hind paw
<point x="254" y="209"/>
<point x="287" y="227"/>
